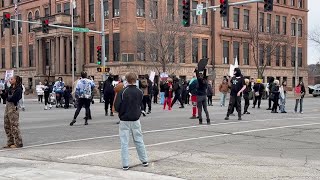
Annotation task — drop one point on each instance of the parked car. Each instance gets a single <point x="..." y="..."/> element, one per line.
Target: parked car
<point x="314" y="90"/>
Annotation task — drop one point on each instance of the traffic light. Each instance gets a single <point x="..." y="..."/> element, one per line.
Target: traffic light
<point x="45" y="26"/>
<point x="186" y="13"/>
<point x="224" y="8"/>
<point x="99" y="55"/>
<point x="99" y="69"/>
<point x="6" y="20"/>
<point x="268" y="5"/>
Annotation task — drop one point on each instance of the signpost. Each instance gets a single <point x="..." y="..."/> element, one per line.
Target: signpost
<point x="199" y="9"/>
<point x="77" y="29"/>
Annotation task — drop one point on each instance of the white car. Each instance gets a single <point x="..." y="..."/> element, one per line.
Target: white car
<point x="314" y="90"/>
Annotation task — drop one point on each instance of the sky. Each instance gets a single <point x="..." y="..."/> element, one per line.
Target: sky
<point x="313" y="23"/>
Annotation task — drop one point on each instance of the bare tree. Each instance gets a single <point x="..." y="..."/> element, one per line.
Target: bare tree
<point x="165" y="38"/>
<point x="314" y="36"/>
<point x="267" y="47"/>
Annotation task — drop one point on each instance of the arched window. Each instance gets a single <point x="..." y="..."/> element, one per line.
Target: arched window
<point x="300" y="28"/>
<point x="29" y="19"/>
<point x="293" y="27"/>
<point x="37" y="15"/>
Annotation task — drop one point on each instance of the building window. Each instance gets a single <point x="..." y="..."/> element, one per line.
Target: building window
<point x="293" y="3"/>
<point x="278" y="1"/>
<point x="182" y="49"/>
<point x="300" y="3"/>
<point x="140" y="8"/>
<point x="106" y="9"/>
<point x="31" y="61"/>
<point x="285" y="2"/>
<point x="37" y="15"/>
<point x="300" y="57"/>
<point x="3" y="58"/>
<point x="261" y="22"/>
<point x="29" y="19"/>
<point x="246" y="19"/>
<point x="141" y="47"/>
<point x="107" y="47"/>
<point x="19" y="24"/>
<point x="171" y="50"/>
<point x="116" y="8"/>
<point x="269" y="23"/>
<point x="91" y="44"/>
<point x="116" y="46"/>
<point x="2" y="30"/>
<point x="284" y="25"/>
<point x="293" y="27"/>
<point x="58" y="8"/>
<point x="261" y="55"/>
<point x="2" y="3"/>
<point x="66" y="8"/>
<point x="46" y="12"/>
<point x="91" y="10"/>
<point x="13" y="26"/>
<point x="236" y="12"/>
<point x="293" y="56"/>
<point x="284" y="79"/>
<point x="278" y="56"/>
<point x="300" y="28"/>
<point x="204" y="15"/>
<point x="194" y="13"/>
<point x="278" y="24"/>
<point x="236" y="51"/>
<point x="13" y="55"/>
<point x="195" y="45"/>
<point x="154" y="9"/>
<point x="284" y="56"/>
<point x="170" y="9"/>
<point x="225" y="52"/>
<point x="246" y="53"/>
<point x="225" y="22"/>
<point x="204" y="48"/>
<point x="268" y="55"/>
<point x="47" y="49"/>
<point x="20" y="55"/>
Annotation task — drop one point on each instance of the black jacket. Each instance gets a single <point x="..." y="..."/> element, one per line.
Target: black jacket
<point x="209" y="90"/>
<point x="258" y="88"/>
<point x="128" y="103"/>
<point x="108" y="89"/>
<point x="155" y="89"/>
<point x="202" y="84"/>
<point x="162" y="86"/>
<point x="14" y="95"/>
<point x="246" y="91"/>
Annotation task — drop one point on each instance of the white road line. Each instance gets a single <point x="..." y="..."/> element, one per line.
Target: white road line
<point x="161" y="130"/>
<point x="190" y="139"/>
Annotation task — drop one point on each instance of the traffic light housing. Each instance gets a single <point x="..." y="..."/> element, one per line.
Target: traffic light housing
<point x="6" y="21"/>
<point x="224" y="8"/>
<point x="186" y="13"/>
<point x="268" y="5"/>
<point x="45" y="26"/>
<point x="99" y="55"/>
<point x="99" y="69"/>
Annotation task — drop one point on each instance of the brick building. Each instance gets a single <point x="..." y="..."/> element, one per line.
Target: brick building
<point x="44" y="56"/>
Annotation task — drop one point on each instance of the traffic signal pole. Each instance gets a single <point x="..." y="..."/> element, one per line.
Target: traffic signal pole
<point x="103" y="40"/>
<point x="17" y="38"/>
<point x="232" y="4"/>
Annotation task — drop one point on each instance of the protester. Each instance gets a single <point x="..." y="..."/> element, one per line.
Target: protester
<point x="271" y="84"/>
<point x="2" y="88"/>
<point x="283" y="96"/>
<point x="155" y="90"/>
<point x="162" y="91"/>
<point x="300" y="92"/>
<point x="193" y="93"/>
<point x="83" y="91"/>
<point x="258" y="90"/>
<point x="131" y="97"/>
<point x="21" y="102"/>
<point x="168" y="94"/>
<point x="11" y="114"/>
<point x="47" y="90"/>
<point x="237" y="87"/>
<point x="246" y="93"/>
<point x="202" y="95"/>
<point x="58" y="90"/>
<point x="40" y="92"/>
<point x="251" y="94"/>
<point x="184" y="92"/>
<point x="117" y="90"/>
<point x="144" y="86"/>
<point x="67" y="95"/>
<point x="210" y="93"/>
<point x="108" y="95"/>
<point x="177" y="93"/>
<point x="275" y="92"/>
<point x="223" y="88"/>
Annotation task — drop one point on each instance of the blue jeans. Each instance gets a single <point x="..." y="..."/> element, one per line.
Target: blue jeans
<point x="283" y="104"/>
<point x="223" y="99"/>
<point x="162" y="98"/>
<point x="301" y="105"/>
<point x="134" y="128"/>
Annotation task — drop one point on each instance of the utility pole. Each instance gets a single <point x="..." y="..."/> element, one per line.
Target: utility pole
<point x="296" y="54"/>
<point x="72" y="40"/>
<point x="103" y="39"/>
<point x="17" y="36"/>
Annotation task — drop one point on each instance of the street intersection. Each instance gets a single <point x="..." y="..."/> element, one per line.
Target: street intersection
<point x="261" y="146"/>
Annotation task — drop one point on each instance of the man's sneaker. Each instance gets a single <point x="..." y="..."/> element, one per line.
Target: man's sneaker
<point x="145" y="164"/>
<point x="226" y="118"/>
<point x="125" y="168"/>
<point x="106" y="114"/>
<point x="200" y="121"/>
<point x="149" y="112"/>
<point x="301" y="112"/>
<point x="239" y="118"/>
<point x="72" y="122"/>
<point x="143" y="113"/>
<point x="46" y="108"/>
<point x="111" y="114"/>
<point x="208" y="122"/>
<point x="193" y="117"/>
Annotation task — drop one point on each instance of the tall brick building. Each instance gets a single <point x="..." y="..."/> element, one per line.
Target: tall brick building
<point x="44" y="56"/>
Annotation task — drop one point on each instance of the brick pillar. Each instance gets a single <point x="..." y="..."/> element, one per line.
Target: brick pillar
<point x="40" y="57"/>
<point x="62" y="56"/>
<point x="68" y="60"/>
<point x="57" y="55"/>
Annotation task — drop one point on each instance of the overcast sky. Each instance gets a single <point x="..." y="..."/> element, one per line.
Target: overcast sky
<point x="313" y="22"/>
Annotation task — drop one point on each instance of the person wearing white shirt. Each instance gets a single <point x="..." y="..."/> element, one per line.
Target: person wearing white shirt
<point x="40" y="92"/>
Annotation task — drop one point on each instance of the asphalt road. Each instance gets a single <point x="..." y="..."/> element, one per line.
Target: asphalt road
<point x="261" y="146"/>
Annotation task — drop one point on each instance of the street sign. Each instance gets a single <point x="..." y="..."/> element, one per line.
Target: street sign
<point x="199" y="9"/>
<point x="77" y="29"/>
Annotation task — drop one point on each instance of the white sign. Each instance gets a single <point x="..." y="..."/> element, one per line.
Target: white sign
<point x="199" y="9"/>
<point x="164" y="75"/>
<point x="236" y="64"/>
<point x="9" y="74"/>
<point x="152" y="75"/>
<point x="231" y="70"/>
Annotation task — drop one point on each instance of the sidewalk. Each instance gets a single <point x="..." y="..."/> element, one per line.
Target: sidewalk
<point x="11" y="168"/>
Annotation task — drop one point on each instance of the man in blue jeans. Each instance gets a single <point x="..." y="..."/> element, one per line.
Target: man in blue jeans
<point x="128" y="105"/>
